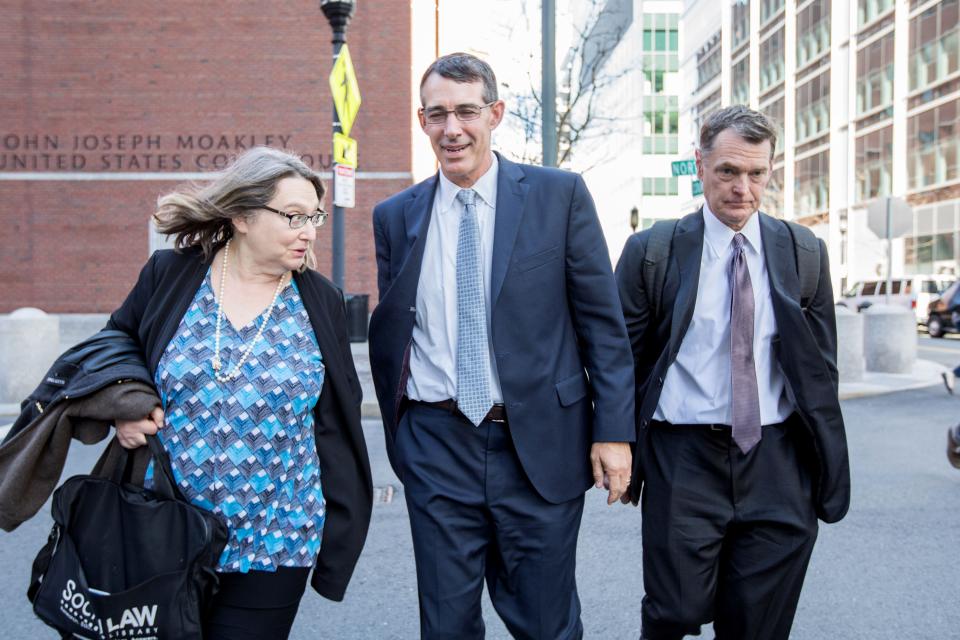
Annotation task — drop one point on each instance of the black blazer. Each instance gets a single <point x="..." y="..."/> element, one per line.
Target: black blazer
<point x="806" y="348"/>
<point x="153" y="311"/>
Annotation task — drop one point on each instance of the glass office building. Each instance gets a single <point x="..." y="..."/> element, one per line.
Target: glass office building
<point x="868" y="96"/>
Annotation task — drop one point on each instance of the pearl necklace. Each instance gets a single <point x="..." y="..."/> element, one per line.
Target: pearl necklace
<point x="217" y="363"/>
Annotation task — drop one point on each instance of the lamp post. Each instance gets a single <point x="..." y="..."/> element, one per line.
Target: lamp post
<point x="634" y="219"/>
<point x="338" y="13"/>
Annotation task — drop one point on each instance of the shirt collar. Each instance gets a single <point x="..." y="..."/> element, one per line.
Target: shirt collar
<point x="486" y="187"/>
<point x="719" y="236"/>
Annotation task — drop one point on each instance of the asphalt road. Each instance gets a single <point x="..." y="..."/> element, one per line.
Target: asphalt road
<point x="945" y="350"/>
<point x="888" y="570"/>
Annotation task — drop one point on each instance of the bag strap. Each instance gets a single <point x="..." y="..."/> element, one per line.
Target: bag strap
<point x="164" y="483"/>
<point x="806" y="248"/>
<point x="655" y="261"/>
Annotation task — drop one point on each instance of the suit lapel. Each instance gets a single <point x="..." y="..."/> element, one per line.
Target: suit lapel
<point x="416" y="219"/>
<point x="418" y="210"/>
<point x="687" y="251"/>
<point x="780" y="260"/>
<point x="511" y="196"/>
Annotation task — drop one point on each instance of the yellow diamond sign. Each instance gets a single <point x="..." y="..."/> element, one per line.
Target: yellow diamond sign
<point x="345" y="90"/>
<point x="344" y="150"/>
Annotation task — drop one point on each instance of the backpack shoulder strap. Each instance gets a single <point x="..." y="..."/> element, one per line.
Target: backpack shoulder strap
<point x="806" y="248"/>
<point x="655" y="261"/>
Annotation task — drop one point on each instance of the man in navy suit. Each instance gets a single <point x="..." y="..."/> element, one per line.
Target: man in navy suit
<point x="502" y="367"/>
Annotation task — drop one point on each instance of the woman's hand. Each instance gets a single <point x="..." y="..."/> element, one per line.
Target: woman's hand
<point x="133" y="433"/>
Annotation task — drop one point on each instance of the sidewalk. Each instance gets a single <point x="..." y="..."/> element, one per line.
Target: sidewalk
<point x="925" y="373"/>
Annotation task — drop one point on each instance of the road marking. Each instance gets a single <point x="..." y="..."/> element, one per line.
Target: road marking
<point x="956" y="352"/>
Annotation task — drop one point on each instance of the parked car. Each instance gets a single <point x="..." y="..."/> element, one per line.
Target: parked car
<point x="913" y="292"/>
<point x="941" y="311"/>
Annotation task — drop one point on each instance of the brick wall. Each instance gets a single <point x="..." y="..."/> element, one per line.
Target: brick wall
<point x="105" y="87"/>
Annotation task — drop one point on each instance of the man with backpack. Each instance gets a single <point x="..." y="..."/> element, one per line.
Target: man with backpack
<point x="740" y="442"/>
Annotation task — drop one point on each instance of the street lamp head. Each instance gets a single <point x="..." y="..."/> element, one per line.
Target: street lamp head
<point x="338" y="12"/>
<point x="634" y="218"/>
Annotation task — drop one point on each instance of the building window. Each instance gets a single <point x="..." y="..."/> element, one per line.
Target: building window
<point x="775" y="111"/>
<point x="704" y="108"/>
<point x="740" y="22"/>
<point x="813" y="31"/>
<point x="661" y="61"/>
<point x="875" y="75"/>
<point x="660" y="40"/>
<point x="771" y="55"/>
<point x="921" y="253"/>
<point x="874" y="164"/>
<point x="740" y="82"/>
<point x="769" y="9"/>
<point x="654" y="80"/>
<point x="933" y="146"/>
<point x="934" y="45"/>
<point x="708" y="61"/>
<point x="773" y="196"/>
<point x="813" y="107"/>
<point x="660" y="186"/>
<point x="812" y="184"/>
<point x="660" y="124"/>
<point x="870" y="10"/>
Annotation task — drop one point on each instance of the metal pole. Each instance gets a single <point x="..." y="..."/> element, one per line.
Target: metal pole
<point x="548" y="88"/>
<point x="339" y="225"/>
<point x="889" y="250"/>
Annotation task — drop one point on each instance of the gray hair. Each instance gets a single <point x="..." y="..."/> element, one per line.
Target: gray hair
<point x="752" y="126"/>
<point x="463" y="68"/>
<point x="202" y="215"/>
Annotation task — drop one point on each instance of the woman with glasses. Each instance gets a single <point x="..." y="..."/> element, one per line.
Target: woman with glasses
<point x="260" y="399"/>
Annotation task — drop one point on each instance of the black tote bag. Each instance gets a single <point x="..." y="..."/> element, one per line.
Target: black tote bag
<point x="125" y="562"/>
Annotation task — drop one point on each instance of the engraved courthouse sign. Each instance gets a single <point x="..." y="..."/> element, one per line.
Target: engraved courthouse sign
<point x="138" y="151"/>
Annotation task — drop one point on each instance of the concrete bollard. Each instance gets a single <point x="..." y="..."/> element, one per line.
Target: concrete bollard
<point x="29" y="343"/>
<point x="850" y="362"/>
<point x="889" y="338"/>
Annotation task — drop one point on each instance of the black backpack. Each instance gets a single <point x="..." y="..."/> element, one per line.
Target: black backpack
<point x="806" y="247"/>
<point x="127" y="562"/>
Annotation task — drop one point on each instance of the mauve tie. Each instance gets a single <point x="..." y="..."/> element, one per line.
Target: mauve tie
<point x="743" y="373"/>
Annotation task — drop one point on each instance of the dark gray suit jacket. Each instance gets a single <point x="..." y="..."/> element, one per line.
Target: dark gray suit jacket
<point x="805" y="349"/>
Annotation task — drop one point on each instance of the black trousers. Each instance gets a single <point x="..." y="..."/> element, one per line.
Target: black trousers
<point x="726" y="536"/>
<point x="259" y="605"/>
<point x="475" y="515"/>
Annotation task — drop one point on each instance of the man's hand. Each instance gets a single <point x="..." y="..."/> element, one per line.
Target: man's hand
<point x="133" y="433"/>
<point x="612" y="464"/>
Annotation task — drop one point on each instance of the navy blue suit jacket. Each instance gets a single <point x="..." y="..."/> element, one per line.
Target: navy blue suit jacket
<point x="559" y="339"/>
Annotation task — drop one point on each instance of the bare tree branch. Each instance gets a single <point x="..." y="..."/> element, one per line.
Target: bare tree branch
<point x="585" y="84"/>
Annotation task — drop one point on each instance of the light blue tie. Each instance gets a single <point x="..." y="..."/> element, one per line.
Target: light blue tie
<point x="473" y="388"/>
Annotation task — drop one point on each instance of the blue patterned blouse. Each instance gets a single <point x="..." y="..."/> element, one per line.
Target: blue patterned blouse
<point x="245" y="448"/>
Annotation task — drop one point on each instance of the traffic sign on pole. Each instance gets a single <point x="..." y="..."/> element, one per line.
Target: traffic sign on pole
<point x="696" y="187"/>
<point x="345" y="90"/>
<point x="684" y="168"/>
<point x="344" y="181"/>
<point x="344" y="150"/>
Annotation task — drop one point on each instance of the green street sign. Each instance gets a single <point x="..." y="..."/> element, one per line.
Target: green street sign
<point x="684" y="168"/>
<point x="697" y="187"/>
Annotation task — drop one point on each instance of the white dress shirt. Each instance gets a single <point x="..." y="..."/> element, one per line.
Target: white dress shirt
<point x="433" y="355"/>
<point x="697" y="387"/>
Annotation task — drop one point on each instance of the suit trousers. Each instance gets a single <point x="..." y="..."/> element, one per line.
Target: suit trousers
<point x="474" y="514"/>
<point x="726" y="536"/>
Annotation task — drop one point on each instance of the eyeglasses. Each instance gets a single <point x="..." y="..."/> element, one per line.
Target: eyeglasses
<point x="297" y="220"/>
<point x="464" y="113"/>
